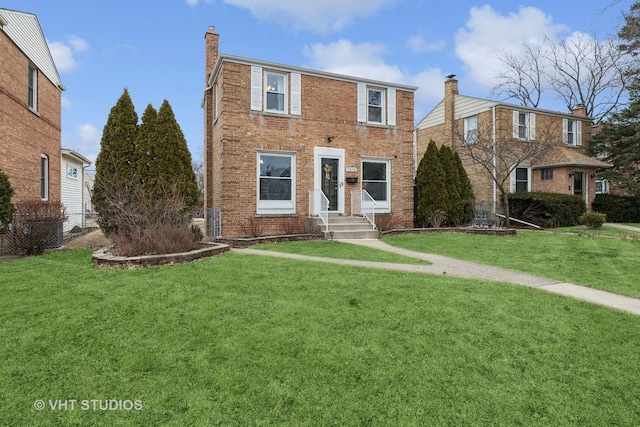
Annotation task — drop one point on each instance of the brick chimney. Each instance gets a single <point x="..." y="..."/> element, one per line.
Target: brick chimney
<point x="579" y="110"/>
<point x="211" y="51"/>
<point x="450" y="91"/>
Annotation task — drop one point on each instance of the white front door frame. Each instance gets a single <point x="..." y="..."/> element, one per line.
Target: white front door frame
<point x="334" y="153"/>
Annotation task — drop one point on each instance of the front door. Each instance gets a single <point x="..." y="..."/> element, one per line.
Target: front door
<point x="578" y="184"/>
<point x="329" y="171"/>
<point x="328" y="176"/>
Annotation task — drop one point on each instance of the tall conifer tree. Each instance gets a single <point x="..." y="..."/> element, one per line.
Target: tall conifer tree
<point x="430" y="183"/>
<point x="116" y="163"/>
<point x="171" y="160"/>
<point x="452" y="185"/>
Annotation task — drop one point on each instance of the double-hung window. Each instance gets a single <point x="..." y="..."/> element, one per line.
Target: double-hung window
<point x="275" y="92"/>
<point x="33" y="88"/>
<point x="524" y="125"/>
<point x="470" y="130"/>
<point x="375" y="105"/>
<point x="572" y="131"/>
<point x="376" y="180"/>
<point x="276" y="183"/>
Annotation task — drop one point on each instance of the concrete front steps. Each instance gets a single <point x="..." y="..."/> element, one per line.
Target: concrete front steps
<point x="350" y="227"/>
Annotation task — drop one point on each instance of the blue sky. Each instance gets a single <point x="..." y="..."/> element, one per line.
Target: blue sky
<point x="156" y="49"/>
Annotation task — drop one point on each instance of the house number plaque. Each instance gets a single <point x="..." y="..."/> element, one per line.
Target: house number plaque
<point x="352" y="169"/>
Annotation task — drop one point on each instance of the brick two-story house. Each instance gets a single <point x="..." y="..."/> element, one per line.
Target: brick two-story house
<point x="283" y="143"/>
<point x="564" y="166"/>
<point x="30" y="95"/>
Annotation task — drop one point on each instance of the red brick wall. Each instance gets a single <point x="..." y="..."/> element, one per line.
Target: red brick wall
<point x="26" y="135"/>
<point x="329" y="107"/>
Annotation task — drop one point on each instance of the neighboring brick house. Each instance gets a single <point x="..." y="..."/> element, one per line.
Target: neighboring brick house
<point x="277" y="135"/>
<point x="563" y="167"/>
<point x="30" y="95"/>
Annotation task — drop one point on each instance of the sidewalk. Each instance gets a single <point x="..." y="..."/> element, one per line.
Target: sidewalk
<point x="469" y="270"/>
<point x="623" y="227"/>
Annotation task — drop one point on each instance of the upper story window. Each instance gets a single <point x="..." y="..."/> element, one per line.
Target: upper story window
<point x="572" y="131"/>
<point x="72" y="171"/>
<point x="524" y="125"/>
<point x="33" y="87"/>
<point x="376" y="105"/>
<point x="275" y="91"/>
<point x="471" y="130"/>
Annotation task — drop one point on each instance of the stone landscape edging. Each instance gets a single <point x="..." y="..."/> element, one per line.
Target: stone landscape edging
<point x="102" y="257"/>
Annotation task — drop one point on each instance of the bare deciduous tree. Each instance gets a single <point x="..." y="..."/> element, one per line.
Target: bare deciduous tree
<point x="522" y="78"/>
<point x="498" y="156"/>
<point x="580" y="70"/>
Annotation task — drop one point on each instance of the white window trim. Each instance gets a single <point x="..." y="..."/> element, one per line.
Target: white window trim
<point x="388" y="104"/>
<point x="512" y="178"/>
<point x="33" y="103"/>
<point x="44" y="177"/>
<point x="530" y="125"/>
<point x="380" y="205"/>
<point x="71" y="168"/>
<point x="467" y="140"/>
<point x="285" y="94"/>
<point x="216" y="100"/>
<point x="577" y="132"/>
<point x="276" y="207"/>
<point x="383" y="102"/>
<point x="292" y="91"/>
<point x="604" y="185"/>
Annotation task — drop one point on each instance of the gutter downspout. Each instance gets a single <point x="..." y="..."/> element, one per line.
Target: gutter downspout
<point x="493" y="138"/>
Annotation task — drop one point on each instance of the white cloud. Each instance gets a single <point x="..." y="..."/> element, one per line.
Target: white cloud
<point x="320" y="16"/>
<point x="195" y="2"/>
<point x="487" y="33"/>
<point x="366" y="60"/>
<point x="64" y="53"/>
<point x="419" y="44"/>
<point x="85" y="139"/>
<point x="65" y="102"/>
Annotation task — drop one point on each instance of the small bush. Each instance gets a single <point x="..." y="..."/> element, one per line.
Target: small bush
<point x="7" y="209"/>
<point x="159" y="239"/>
<point x="618" y="208"/>
<point x="547" y="209"/>
<point x="37" y="226"/>
<point x="593" y="220"/>
<point x="436" y="218"/>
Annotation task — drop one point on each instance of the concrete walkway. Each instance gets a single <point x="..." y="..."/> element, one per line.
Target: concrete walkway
<point x="469" y="270"/>
<point x="623" y="227"/>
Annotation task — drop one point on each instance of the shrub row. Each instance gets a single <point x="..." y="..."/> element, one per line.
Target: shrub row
<point x="618" y="208"/>
<point x="547" y="209"/>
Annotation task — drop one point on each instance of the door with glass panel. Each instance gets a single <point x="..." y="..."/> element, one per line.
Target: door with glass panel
<point x="329" y="168"/>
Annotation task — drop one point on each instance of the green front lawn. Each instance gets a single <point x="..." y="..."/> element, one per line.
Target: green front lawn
<point x="250" y="340"/>
<point x="604" y="231"/>
<point x="337" y="249"/>
<point x="602" y="263"/>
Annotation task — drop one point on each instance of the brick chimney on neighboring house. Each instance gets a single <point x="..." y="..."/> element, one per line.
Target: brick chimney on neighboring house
<point x="579" y="110"/>
<point x="450" y="91"/>
<point x="211" y="51"/>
